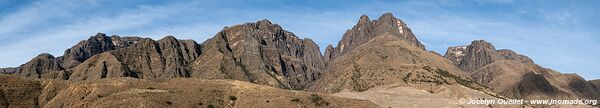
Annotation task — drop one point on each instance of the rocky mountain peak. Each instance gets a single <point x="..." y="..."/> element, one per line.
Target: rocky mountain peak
<point x="260" y="52"/>
<point x="266" y="25"/>
<point x="44" y="56"/>
<point x="387" y="18"/>
<point x="99" y="35"/>
<point x="168" y="38"/>
<point x="482" y="44"/>
<point x="364" y="19"/>
<point x="43" y="63"/>
<point x="367" y="29"/>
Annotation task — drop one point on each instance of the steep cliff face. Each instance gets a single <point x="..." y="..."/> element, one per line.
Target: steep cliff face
<point x="367" y="29"/>
<point x="146" y="59"/>
<point x="329" y="51"/>
<point x="478" y="54"/>
<point x="262" y="53"/>
<point x="515" y="75"/>
<point x="47" y="66"/>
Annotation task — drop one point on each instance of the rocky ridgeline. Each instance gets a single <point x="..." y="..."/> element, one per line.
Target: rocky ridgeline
<point x="259" y="52"/>
<point x="371" y="54"/>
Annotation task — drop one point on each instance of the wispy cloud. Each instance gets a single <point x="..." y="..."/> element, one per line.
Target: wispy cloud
<point x="563" y="17"/>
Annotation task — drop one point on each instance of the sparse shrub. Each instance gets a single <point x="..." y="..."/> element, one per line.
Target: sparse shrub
<point x="405" y="79"/>
<point x="458" y="79"/>
<point x="233" y="98"/>
<point x="169" y="102"/>
<point x="211" y="106"/>
<point x="295" y="100"/>
<point x="317" y="100"/>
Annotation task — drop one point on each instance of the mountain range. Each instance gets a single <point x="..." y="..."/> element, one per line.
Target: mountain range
<point x="377" y="63"/>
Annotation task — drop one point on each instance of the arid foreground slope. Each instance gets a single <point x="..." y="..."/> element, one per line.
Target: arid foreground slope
<point x="177" y="92"/>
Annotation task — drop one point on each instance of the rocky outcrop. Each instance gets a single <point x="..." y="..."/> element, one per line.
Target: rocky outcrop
<point x="477" y="55"/>
<point x="367" y="29"/>
<point x="329" y="50"/>
<point x="455" y="54"/>
<point x="41" y="64"/>
<point x="8" y="70"/>
<point x="517" y="76"/>
<point x="261" y="53"/>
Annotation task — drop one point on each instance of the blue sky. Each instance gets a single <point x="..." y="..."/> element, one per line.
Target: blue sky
<point x="559" y="34"/>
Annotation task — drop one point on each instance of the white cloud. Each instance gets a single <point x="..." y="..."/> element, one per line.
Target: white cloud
<point x="562" y="17"/>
